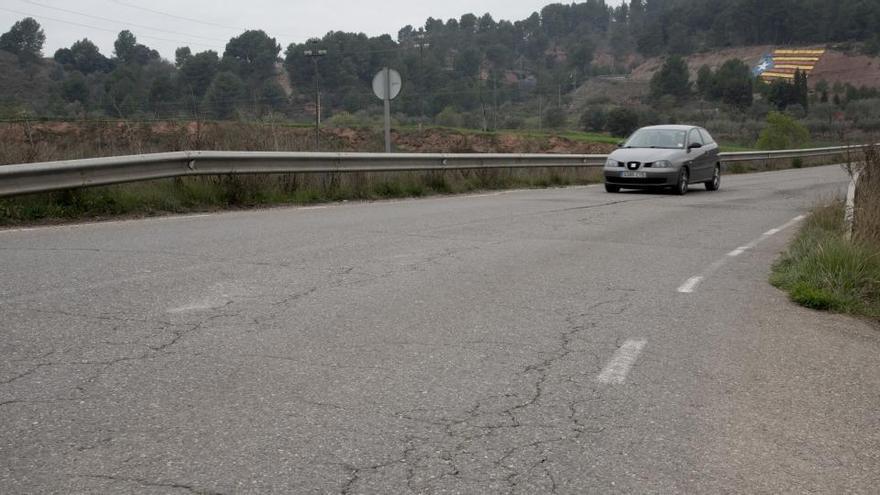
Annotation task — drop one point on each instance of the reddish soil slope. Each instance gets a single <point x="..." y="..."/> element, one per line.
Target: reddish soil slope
<point x="858" y="70"/>
<point x="834" y="66"/>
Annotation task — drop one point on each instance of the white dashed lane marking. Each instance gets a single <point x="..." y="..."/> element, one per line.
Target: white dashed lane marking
<point x="691" y="284"/>
<point x="617" y="369"/>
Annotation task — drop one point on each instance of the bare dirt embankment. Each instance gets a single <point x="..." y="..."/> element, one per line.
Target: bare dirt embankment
<point x="445" y="141"/>
<point x="858" y="70"/>
<point x="834" y="66"/>
<point x="751" y="55"/>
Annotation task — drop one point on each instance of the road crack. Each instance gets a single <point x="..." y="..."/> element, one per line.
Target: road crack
<point x="152" y="484"/>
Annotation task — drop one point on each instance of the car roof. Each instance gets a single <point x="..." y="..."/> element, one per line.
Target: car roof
<point x="671" y="127"/>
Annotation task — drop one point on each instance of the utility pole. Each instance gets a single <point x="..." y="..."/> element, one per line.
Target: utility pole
<point x="482" y="103"/>
<point x="315" y="54"/>
<point x="540" y="112"/>
<point x="421" y="44"/>
<point x="494" y="101"/>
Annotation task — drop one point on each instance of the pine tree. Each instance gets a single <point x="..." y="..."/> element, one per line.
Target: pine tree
<point x="672" y="79"/>
<point x="801" y="90"/>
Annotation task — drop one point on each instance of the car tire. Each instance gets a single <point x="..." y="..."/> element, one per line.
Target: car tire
<point x="715" y="183"/>
<point x="681" y="188"/>
<point x="611" y="188"/>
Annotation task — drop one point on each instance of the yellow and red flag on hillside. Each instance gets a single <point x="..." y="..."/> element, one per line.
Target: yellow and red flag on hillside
<point x="782" y="64"/>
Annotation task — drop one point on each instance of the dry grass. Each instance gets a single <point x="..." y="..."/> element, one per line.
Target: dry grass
<point x="26" y="142"/>
<point x="823" y="270"/>
<point x="23" y="142"/>
<point x="212" y="193"/>
<point x="866" y="227"/>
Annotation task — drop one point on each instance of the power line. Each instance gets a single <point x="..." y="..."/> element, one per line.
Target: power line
<point x="331" y="54"/>
<point x="74" y="23"/>
<point x="190" y="19"/>
<point x="117" y="21"/>
<point x="214" y="24"/>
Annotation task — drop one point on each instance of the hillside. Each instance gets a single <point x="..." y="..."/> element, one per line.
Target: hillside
<point x="487" y="69"/>
<point x="586" y="66"/>
<point x="834" y="66"/>
<point x="751" y="55"/>
<point x="847" y="68"/>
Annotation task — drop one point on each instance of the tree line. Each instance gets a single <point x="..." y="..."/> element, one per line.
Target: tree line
<point x="471" y="64"/>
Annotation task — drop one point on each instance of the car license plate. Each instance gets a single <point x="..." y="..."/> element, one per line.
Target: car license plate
<point x="635" y="175"/>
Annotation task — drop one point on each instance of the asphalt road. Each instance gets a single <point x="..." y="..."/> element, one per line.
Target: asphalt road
<point x="562" y="340"/>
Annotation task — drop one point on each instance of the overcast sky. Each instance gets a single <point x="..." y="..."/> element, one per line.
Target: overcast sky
<point x="208" y="24"/>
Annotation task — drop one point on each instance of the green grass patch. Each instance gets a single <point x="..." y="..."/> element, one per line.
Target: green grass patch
<point x="592" y="137"/>
<point x="583" y="137"/>
<point x="822" y="270"/>
<point x="733" y="148"/>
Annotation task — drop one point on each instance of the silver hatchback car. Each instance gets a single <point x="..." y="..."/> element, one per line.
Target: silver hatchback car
<point x="664" y="156"/>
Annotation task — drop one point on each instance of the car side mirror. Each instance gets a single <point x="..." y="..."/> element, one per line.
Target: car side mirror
<point x="694" y="146"/>
<point x="620" y="144"/>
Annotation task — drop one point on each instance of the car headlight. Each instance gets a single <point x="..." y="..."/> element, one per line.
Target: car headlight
<point x="662" y="164"/>
<point x="610" y="163"/>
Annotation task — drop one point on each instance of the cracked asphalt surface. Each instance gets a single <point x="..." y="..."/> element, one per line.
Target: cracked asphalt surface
<point x="441" y="345"/>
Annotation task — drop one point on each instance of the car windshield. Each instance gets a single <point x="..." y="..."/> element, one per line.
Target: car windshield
<point x="656" y="138"/>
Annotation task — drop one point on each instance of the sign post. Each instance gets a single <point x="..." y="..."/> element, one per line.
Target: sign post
<point x="386" y="86"/>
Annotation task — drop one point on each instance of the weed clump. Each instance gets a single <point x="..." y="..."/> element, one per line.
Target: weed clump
<point x="823" y="270"/>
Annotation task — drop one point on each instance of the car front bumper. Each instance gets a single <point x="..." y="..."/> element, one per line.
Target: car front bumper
<point x="653" y="178"/>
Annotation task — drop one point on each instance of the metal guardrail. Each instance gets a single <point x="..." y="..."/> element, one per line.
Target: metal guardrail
<point x="53" y="176"/>
<point x="745" y="156"/>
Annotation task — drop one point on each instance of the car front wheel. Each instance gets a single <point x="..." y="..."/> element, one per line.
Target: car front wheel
<point x="682" y="187"/>
<point x="715" y="183"/>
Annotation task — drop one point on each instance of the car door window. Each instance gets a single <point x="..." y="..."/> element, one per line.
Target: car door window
<point x="695" y="138"/>
<point x="707" y="138"/>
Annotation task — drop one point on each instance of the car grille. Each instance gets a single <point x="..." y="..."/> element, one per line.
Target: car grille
<point x="634" y="180"/>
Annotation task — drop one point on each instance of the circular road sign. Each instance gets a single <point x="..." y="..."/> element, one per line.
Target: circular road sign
<point x="379" y="84"/>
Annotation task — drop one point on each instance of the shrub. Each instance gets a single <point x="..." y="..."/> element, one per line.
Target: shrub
<point x="860" y="110"/>
<point x="473" y="120"/>
<point x="649" y="116"/>
<point x="783" y="132"/>
<point x="818" y="126"/>
<point x="821" y="270"/>
<point x="622" y="121"/>
<point x="343" y="119"/>
<point x="554" y="117"/>
<point x="594" y="119"/>
<point x="796" y="111"/>
<point x="448" y="117"/>
<point x="513" y="122"/>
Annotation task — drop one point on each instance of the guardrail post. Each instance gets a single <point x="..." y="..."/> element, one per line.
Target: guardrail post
<point x="849" y="215"/>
